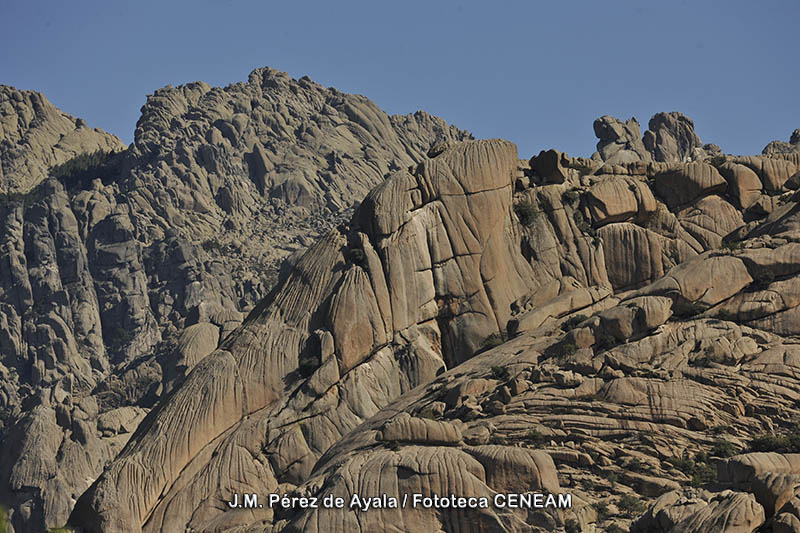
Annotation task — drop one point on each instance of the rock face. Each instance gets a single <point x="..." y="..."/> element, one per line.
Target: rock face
<point x="621" y="328"/>
<point x="620" y="142"/>
<point x="780" y="147"/>
<point x="427" y="276"/>
<point x="116" y="280"/>
<point x="35" y="135"/>
<point x="671" y="138"/>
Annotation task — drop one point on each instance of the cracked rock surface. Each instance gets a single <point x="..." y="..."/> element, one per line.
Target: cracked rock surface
<point x="448" y="319"/>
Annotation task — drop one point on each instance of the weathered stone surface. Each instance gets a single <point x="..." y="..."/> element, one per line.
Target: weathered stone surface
<point x="482" y="324"/>
<point x="441" y="298"/>
<point x="620" y="142"/>
<point x="35" y="136"/>
<point x="100" y="275"/>
<point x="671" y="138"/>
<point x="726" y="511"/>
<point x="684" y="183"/>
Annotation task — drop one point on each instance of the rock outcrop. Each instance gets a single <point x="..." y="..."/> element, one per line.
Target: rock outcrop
<point x="670" y="137"/>
<point x="35" y="136"/>
<point x="448" y="319"/>
<point x="438" y="265"/>
<point x="781" y="147"/>
<point x="126" y="269"/>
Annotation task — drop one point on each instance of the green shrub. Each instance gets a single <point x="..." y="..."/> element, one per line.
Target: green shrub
<point x="716" y="161"/>
<point x="723" y="448"/>
<point x="572" y="526"/>
<point x="711" y="356"/>
<point x="788" y="443"/>
<point x="537" y="439"/>
<point x="10" y="199"/>
<point x="78" y="172"/>
<point x="582" y="224"/>
<point x="733" y="245"/>
<point x="635" y="465"/>
<point x="571" y="196"/>
<point x="500" y="372"/>
<point x="605" y="341"/>
<point x="763" y="279"/>
<point x="602" y="510"/>
<point x="704" y="473"/>
<point x="119" y="337"/>
<point x="564" y="349"/>
<point x="631" y="505"/>
<point x="212" y="246"/>
<point x="724" y="314"/>
<point x="614" y="528"/>
<point x="572" y="322"/>
<point x="492" y="341"/>
<point x="697" y="469"/>
<point x="691" y="309"/>
<point x="526" y="212"/>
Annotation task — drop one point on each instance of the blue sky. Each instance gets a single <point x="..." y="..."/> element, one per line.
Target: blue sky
<point x="534" y="72"/>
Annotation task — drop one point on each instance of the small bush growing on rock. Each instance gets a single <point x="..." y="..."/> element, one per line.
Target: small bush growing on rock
<point x="498" y="439"/>
<point x="716" y="161"/>
<point x="583" y="225"/>
<point x="711" y="356"/>
<point x="733" y="245"/>
<point x="723" y="448"/>
<point x="763" y="279"/>
<point x="572" y="526"/>
<point x="499" y="372"/>
<point x="79" y="171"/>
<point x="614" y="528"/>
<point x="704" y="473"/>
<point x="537" y="439"/>
<point x="572" y="322"/>
<point x="635" y="465"/>
<point x="789" y="443"/>
<point x="571" y="196"/>
<point x="493" y="340"/>
<point x="605" y="341"/>
<point x="697" y="469"/>
<point x="120" y="337"/>
<point x="526" y="212"/>
<point x="212" y="246"/>
<point x="724" y="314"/>
<point x="564" y="349"/>
<point x="692" y="309"/>
<point x="427" y="412"/>
<point x="17" y="198"/>
<point x="631" y="506"/>
<point x="602" y="510"/>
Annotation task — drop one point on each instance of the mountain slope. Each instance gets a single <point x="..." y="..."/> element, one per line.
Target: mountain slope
<point x="127" y="268"/>
<point x="439" y="264"/>
<point x="462" y="321"/>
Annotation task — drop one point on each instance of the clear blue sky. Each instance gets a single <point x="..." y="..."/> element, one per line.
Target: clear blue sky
<point x="534" y="72"/>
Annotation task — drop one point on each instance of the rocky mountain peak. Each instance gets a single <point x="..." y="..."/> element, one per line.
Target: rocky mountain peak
<point x="448" y="319"/>
<point x="670" y="138"/>
<point x="35" y="136"/>
<point x="781" y="147"/>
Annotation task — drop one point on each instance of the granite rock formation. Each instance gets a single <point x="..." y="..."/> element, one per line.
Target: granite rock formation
<point x="448" y="319"/>
<point x="126" y="269"/>
<point x="35" y="136"/>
